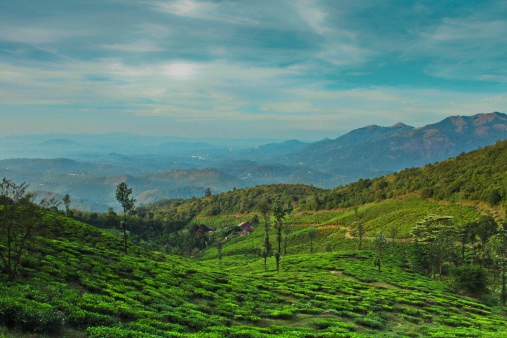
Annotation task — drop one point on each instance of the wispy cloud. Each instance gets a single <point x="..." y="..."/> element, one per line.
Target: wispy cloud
<point x="318" y="67"/>
<point x="466" y="48"/>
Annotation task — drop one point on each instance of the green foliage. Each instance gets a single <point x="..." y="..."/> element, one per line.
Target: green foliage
<point x="123" y="193"/>
<point x="436" y="235"/>
<point x="472" y="279"/>
<point x="20" y="219"/>
<point x="379" y="247"/>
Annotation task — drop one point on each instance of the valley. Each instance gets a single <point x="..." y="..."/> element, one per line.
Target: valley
<point x="88" y="167"/>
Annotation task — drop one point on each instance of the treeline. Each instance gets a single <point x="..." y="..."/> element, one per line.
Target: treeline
<point x="171" y="225"/>
<point x="476" y="176"/>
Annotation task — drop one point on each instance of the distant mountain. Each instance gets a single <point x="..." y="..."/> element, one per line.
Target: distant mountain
<point x="270" y="151"/>
<point x="62" y="142"/>
<point x="380" y="149"/>
<point x="355" y="137"/>
<point x="161" y="168"/>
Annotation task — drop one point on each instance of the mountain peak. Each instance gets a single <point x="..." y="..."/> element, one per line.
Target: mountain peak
<point x="399" y="124"/>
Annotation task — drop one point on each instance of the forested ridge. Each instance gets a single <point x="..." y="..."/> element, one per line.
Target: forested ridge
<point x="392" y="256"/>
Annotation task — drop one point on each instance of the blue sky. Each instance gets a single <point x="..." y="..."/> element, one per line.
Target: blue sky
<point x="256" y="69"/>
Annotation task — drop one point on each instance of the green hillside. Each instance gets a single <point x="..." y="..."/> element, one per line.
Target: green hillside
<point x="75" y="280"/>
<point x="78" y="283"/>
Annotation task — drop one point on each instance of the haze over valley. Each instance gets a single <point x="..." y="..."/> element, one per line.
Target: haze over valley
<point x="89" y="167"/>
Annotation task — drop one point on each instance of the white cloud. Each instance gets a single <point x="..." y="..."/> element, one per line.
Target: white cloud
<point x="181" y="70"/>
<point x="313" y="15"/>
<point x="189" y="8"/>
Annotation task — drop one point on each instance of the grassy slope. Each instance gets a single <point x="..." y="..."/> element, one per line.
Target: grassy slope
<point x="333" y="226"/>
<point x="78" y="283"/>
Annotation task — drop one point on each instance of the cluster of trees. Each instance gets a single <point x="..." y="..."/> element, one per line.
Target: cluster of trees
<point x="441" y="246"/>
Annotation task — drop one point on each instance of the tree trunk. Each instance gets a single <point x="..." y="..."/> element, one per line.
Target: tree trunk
<point x="125" y="236"/>
<point x="504" y="296"/>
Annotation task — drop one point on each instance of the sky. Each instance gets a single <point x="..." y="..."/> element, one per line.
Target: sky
<point x="277" y="69"/>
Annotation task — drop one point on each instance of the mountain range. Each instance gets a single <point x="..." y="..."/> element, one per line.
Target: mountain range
<point x="164" y="168"/>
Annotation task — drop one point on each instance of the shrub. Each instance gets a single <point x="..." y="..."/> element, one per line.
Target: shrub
<point x="115" y="332"/>
<point x="31" y="316"/>
<point x="471" y="279"/>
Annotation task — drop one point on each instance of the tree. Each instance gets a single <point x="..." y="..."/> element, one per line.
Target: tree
<point x="471" y="278"/>
<point x="207" y="192"/>
<point x="66" y="202"/>
<point x="360" y="232"/>
<point x="393" y="231"/>
<point x="436" y="235"/>
<point x="485" y="227"/>
<point x="123" y="193"/>
<point x="266" y="244"/>
<point x="380" y="245"/>
<point x="286" y="232"/>
<point x="279" y="212"/>
<point x="312" y="233"/>
<point x="219" y="249"/>
<point x="497" y="246"/>
<point x="20" y="218"/>
<point x="360" y="227"/>
<point x="466" y="234"/>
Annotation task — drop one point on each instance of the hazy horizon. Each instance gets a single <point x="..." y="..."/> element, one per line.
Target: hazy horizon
<point x="282" y="70"/>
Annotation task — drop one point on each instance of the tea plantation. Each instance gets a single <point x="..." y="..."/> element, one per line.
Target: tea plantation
<point x="77" y="281"/>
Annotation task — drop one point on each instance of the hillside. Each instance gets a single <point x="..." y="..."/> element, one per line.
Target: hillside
<point x="78" y="283"/>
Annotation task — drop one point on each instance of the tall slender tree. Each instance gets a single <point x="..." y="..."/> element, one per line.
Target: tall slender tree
<point x="123" y="193"/>
<point x="312" y="233"/>
<point x="279" y="212"/>
<point x="380" y="245"/>
<point x="266" y="244"/>
<point x="497" y="246"/>
<point x="393" y="231"/>
<point x="66" y="202"/>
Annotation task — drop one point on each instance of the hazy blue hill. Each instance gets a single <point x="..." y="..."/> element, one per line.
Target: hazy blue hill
<point x="58" y="165"/>
<point x="59" y="142"/>
<point x="355" y="137"/>
<point x="401" y="146"/>
<point x="214" y="179"/>
<point x="270" y="151"/>
<point x="367" y="152"/>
